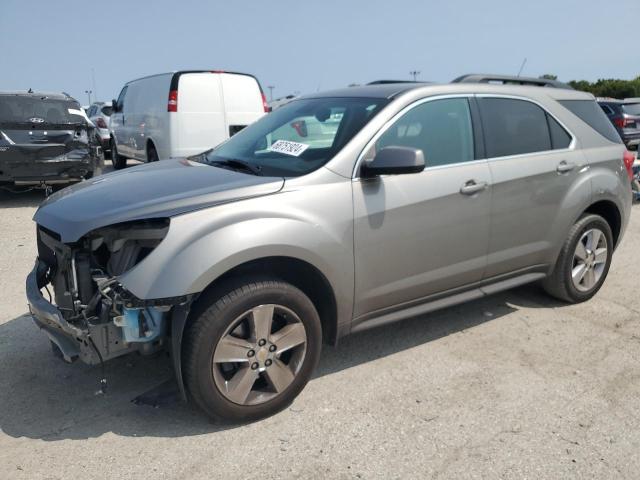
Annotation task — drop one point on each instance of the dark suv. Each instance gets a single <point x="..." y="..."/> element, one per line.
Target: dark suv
<point x="45" y="138"/>
<point x="625" y="116"/>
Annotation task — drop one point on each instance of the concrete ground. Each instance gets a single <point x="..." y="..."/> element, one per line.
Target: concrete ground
<point x="512" y="386"/>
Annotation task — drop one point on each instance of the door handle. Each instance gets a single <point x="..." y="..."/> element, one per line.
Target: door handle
<point x="564" y="167"/>
<point x="471" y="186"/>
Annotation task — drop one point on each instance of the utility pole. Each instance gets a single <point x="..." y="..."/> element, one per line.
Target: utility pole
<point x="89" y="92"/>
<point x="271" y="87"/>
<point x="414" y="74"/>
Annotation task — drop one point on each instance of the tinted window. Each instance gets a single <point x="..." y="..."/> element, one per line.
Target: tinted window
<point x="107" y="110"/>
<point x="560" y="138"/>
<point x="308" y="133"/>
<point x="26" y="109"/>
<point x="606" y="109"/>
<point x="589" y="112"/>
<point x="513" y="127"/>
<point x="441" y="129"/>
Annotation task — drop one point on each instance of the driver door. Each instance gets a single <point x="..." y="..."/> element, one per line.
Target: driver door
<point x="420" y="234"/>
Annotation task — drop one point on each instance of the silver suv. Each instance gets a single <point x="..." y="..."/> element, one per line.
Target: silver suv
<point x="338" y="212"/>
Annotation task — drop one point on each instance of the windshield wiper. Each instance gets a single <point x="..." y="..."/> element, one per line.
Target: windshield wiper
<point x="236" y="164"/>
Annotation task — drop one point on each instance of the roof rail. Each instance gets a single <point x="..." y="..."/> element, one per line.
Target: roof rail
<point x="511" y="80"/>
<point x="387" y="82"/>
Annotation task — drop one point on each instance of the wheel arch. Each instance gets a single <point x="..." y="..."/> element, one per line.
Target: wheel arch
<point x="608" y="210"/>
<point x="300" y="273"/>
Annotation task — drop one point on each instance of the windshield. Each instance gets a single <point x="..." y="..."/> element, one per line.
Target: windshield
<point x="298" y="138"/>
<point x="38" y="110"/>
<point x="631" y="108"/>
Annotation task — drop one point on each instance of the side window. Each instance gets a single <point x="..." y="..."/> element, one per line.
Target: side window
<point x="560" y="138"/>
<point x="513" y="127"/>
<point x="121" y="97"/>
<point x="440" y="128"/>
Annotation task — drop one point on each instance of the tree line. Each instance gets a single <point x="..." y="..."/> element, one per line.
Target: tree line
<point x="606" y="87"/>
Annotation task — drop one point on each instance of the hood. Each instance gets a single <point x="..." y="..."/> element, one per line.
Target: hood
<point x="155" y="190"/>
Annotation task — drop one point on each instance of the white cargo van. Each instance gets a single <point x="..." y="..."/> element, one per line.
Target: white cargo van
<point x="179" y="114"/>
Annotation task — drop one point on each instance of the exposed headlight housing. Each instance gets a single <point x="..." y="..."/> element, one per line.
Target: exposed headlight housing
<point x="118" y="248"/>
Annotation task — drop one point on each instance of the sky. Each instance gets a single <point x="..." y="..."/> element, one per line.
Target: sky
<point x="306" y="46"/>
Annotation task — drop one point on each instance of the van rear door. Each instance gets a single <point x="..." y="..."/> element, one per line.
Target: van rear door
<point x="242" y="101"/>
<point x="200" y="116"/>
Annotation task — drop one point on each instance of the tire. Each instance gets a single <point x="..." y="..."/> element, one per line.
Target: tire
<point x="152" y="153"/>
<point x="229" y="325"/>
<point x="561" y="283"/>
<point x="119" y="162"/>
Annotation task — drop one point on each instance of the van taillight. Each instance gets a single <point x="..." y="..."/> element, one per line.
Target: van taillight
<point x="172" y="105"/>
<point x="265" y="105"/>
<point x="628" y="159"/>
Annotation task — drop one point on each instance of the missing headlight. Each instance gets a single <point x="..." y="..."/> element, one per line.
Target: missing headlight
<point x="120" y="247"/>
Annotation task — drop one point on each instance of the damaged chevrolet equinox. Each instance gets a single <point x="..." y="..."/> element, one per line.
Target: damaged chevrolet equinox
<point x="338" y="212"/>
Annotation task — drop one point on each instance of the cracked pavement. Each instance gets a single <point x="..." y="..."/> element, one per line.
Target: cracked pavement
<point x="511" y="386"/>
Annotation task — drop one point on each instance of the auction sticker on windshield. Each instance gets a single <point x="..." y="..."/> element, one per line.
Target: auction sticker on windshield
<point x="287" y="147"/>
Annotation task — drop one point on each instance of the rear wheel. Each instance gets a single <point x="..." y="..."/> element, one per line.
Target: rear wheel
<point x="250" y="352"/>
<point x="584" y="261"/>
<point x="119" y="162"/>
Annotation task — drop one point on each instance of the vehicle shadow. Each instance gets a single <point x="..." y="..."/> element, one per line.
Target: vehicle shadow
<point x="44" y="398"/>
<point x="21" y="198"/>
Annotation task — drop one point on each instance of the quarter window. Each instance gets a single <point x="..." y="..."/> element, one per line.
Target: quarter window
<point x="440" y="128"/>
<point x="514" y="127"/>
<point x="559" y="136"/>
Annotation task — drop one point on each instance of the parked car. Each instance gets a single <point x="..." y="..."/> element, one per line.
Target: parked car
<point x="625" y="116"/>
<point x="242" y="260"/>
<point x="100" y="113"/>
<point x="182" y="113"/>
<point x="45" y="139"/>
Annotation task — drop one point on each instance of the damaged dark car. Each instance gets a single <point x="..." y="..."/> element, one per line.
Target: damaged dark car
<point x="45" y="139"/>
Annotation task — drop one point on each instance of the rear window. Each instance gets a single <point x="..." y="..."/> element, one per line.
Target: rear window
<point x="107" y="110"/>
<point x="631" y="108"/>
<point x="590" y="113"/>
<point x="23" y="109"/>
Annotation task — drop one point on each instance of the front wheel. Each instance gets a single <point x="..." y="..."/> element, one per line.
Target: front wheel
<point x="119" y="162"/>
<point x="250" y="352"/>
<point x="584" y="261"/>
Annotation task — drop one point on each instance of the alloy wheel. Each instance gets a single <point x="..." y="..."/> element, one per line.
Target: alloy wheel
<point x="589" y="259"/>
<point x="259" y="355"/>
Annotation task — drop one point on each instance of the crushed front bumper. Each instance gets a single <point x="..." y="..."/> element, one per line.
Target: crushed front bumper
<point x="48" y="317"/>
<point x="30" y="169"/>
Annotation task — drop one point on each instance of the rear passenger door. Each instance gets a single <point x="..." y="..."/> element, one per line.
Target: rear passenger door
<point x="425" y="233"/>
<point x="533" y="167"/>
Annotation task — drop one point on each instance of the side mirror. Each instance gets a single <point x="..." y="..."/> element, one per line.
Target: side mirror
<point x="394" y="161"/>
<point x="114" y="106"/>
